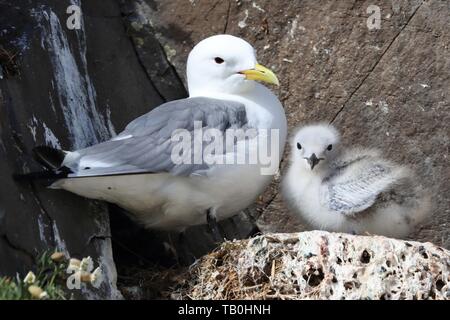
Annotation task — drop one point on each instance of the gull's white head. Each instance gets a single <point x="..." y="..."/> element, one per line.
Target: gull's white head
<point x="314" y="145"/>
<point x="224" y="64"/>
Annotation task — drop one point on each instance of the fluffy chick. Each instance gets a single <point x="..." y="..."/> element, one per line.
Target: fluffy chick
<point x="351" y="190"/>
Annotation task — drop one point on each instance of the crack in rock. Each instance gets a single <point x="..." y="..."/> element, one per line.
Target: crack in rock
<point x="375" y="64"/>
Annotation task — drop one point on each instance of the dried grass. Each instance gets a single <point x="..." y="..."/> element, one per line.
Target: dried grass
<point x="8" y="62"/>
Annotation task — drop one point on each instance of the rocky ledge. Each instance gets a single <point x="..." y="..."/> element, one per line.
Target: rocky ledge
<point x="320" y="265"/>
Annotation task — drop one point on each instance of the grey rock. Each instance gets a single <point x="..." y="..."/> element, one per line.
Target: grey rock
<point x="61" y="91"/>
<point x="75" y="87"/>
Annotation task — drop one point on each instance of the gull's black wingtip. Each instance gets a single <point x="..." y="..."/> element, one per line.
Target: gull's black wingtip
<point x="49" y="157"/>
<point x="41" y="175"/>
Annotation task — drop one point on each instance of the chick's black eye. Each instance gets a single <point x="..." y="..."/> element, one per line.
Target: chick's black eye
<point x="299" y="146"/>
<point x="219" y="60"/>
<point x="330" y="147"/>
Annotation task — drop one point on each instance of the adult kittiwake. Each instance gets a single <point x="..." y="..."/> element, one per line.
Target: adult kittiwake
<point x="162" y="167"/>
<point x="351" y="190"/>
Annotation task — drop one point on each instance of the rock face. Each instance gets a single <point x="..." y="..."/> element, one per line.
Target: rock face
<point x="321" y="265"/>
<point x="386" y="88"/>
<point x="71" y="88"/>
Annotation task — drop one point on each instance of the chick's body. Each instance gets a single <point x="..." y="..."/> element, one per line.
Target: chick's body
<point x="352" y="191"/>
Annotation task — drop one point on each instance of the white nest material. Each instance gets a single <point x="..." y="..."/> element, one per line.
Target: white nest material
<point x="320" y="265"/>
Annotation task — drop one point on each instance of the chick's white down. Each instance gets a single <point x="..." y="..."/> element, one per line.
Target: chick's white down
<point x="352" y="190"/>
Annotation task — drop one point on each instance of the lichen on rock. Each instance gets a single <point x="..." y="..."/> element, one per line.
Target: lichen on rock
<point x="320" y="265"/>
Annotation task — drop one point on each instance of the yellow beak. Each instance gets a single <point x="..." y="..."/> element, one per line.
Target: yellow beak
<point x="261" y="73"/>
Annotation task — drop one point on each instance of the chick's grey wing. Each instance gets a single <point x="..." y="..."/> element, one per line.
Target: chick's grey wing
<point x="353" y="190"/>
<point x="146" y="145"/>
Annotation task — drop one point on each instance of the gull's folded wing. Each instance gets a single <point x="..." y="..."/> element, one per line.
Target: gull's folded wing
<point x="356" y="183"/>
<point x="145" y="145"/>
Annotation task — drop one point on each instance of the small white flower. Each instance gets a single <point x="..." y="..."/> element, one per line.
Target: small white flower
<point x="84" y="276"/>
<point x="57" y="256"/>
<point x="43" y="295"/>
<point x="97" y="277"/>
<point x="87" y="264"/>
<point x="30" y="278"/>
<point x="74" y="265"/>
<point x="35" y="291"/>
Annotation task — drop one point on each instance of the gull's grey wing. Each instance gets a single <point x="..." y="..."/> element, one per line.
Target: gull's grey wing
<point x="355" y="185"/>
<point x="145" y="145"/>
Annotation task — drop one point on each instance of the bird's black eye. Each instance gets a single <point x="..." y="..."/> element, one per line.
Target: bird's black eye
<point x="330" y="147"/>
<point x="219" y="60"/>
<point x="299" y="146"/>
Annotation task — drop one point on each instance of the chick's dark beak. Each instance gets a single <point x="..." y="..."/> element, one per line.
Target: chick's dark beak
<point x="313" y="160"/>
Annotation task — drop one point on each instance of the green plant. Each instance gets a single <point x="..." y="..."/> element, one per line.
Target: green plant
<point x="46" y="283"/>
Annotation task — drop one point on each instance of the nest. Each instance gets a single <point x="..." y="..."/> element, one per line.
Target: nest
<point x="319" y="265"/>
<point x="153" y="282"/>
